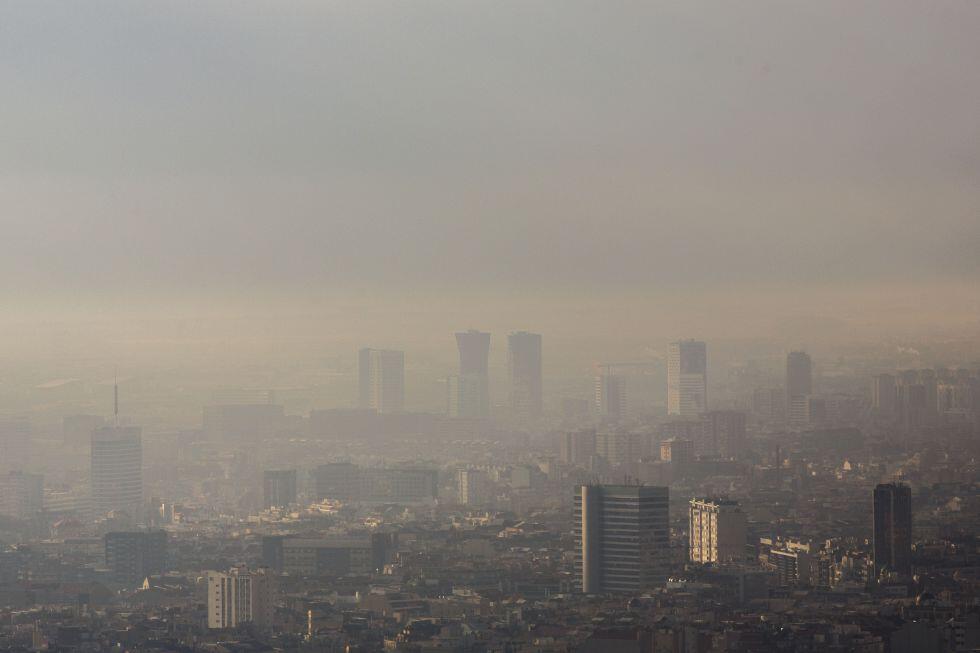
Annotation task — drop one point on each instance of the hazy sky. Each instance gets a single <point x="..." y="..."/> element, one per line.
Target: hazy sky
<point x="200" y="146"/>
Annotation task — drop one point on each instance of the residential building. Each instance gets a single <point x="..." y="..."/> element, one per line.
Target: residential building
<point x="240" y="596"/>
<point x="717" y="531"/>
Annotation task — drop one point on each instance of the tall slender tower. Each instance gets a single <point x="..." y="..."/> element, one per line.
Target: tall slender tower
<point x="687" y="378"/>
<point x="381" y="380"/>
<point x="524" y="362"/>
<point x="472" y="397"/>
<point x="893" y="528"/>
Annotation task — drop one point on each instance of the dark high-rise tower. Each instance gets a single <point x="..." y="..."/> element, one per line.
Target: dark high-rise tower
<point x="893" y="528"/>
<point x="622" y="537"/>
<point x="524" y="362"/>
<point x="474" y="374"/>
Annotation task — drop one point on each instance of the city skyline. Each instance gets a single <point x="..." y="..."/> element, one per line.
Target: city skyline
<point x="482" y="327"/>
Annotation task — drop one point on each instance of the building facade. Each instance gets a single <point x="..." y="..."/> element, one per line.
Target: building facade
<point x="799" y="376"/>
<point x="622" y="538"/>
<point x="278" y="488"/>
<point x="723" y="434"/>
<point x="117" y="471"/>
<point x="473" y="381"/>
<point x="687" y="378"/>
<point x="241" y="596"/>
<point x="892" y="537"/>
<point x="135" y="555"/>
<point x="578" y="447"/>
<point x="525" y="371"/>
<point x="610" y="397"/>
<point x="717" y="531"/>
<point x="381" y="380"/>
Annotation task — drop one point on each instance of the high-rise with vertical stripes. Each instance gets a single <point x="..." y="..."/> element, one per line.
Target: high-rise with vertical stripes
<point x="622" y="538"/>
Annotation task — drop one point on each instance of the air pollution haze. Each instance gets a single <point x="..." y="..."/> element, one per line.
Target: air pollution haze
<point x="421" y="290"/>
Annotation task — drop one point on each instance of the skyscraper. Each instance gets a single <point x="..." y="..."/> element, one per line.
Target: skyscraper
<point x="912" y="399"/>
<point x="884" y="395"/>
<point x="799" y="377"/>
<point x="716" y="531"/>
<point x="610" y="397"/>
<point x="381" y="380"/>
<point x="474" y="374"/>
<point x="117" y="470"/>
<point x="279" y="487"/>
<point x="622" y="537"/>
<point x="893" y="528"/>
<point x="524" y="363"/>
<point x="240" y="596"/>
<point x="465" y="396"/>
<point x="687" y="378"/>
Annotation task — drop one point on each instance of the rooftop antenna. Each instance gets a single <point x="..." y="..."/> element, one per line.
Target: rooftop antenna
<point x="115" y="398"/>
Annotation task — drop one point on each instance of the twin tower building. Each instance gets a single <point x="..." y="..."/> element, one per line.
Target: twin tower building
<point x="381" y="377"/>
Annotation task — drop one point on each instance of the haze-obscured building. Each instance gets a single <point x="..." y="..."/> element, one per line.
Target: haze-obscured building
<point x="526" y="376"/>
<point x="610" y="397"/>
<point x="278" y="487"/>
<point x="117" y="471"/>
<point x="381" y="380"/>
<point x="687" y="378"/>
<point x="135" y="555"/>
